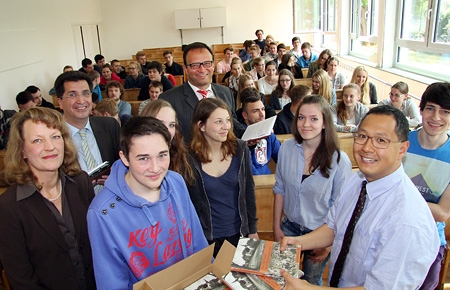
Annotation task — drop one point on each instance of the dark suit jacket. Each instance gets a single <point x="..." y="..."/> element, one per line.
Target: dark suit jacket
<point x="107" y="134"/>
<point x="32" y="247"/>
<point x="143" y="93"/>
<point x="183" y="99"/>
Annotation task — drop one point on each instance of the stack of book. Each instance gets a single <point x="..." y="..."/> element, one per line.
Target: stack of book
<point x="256" y="265"/>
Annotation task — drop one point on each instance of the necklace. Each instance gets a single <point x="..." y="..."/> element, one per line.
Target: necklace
<point x="60" y="192"/>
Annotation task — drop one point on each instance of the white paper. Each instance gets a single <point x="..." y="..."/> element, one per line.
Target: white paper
<point x="260" y="129"/>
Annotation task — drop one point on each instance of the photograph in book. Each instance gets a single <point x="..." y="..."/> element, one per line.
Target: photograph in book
<point x="207" y="282"/>
<point x="237" y="281"/>
<point x="264" y="258"/>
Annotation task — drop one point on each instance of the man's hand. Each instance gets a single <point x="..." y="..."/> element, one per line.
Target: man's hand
<point x="319" y="255"/>
<point x="293" y="283"/>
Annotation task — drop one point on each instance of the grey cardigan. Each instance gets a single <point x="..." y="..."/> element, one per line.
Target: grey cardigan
<point x="361" y="111"/>
<point x="247" y="200"/>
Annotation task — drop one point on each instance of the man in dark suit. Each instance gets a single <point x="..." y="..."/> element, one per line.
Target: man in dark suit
<point x="73" y="90"/>
<point x="199" y="66"/>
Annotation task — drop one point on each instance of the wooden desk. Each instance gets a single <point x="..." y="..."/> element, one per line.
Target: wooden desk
<point x="264" y="204"/>
<point x="130" y="95"/>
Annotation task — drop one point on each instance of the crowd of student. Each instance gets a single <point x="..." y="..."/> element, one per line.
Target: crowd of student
<point x="181" y="178"/>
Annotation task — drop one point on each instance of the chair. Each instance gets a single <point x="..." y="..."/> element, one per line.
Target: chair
<point x="135" y="107"/>
<point x="338" y="95"/>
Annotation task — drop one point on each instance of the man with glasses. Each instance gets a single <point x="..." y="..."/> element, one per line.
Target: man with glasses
<point x="73" y="90"/>
<point x="260" y="40"/>
<point x="199" y="67"/>
<point x="427" y="163"/>
<point x="381" y="229"/>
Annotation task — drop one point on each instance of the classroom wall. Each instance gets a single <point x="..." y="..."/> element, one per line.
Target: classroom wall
<point x="37" y="40"/>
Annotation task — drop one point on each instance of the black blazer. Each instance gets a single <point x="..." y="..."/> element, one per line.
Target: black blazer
<point x="32" y="248"/>
<point x="183" y="99"/>
<point x="107" y="134"/>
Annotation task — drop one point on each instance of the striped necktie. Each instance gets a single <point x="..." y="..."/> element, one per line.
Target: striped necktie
<point x="203" y="93"/>
<point x="90" y="161"/>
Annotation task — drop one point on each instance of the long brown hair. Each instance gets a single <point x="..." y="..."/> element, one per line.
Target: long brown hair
<point x="279" y="89"/>
<point x="199" y="145"/>
<point x="178" y="150"/>
<point x="16" y="167"/>
<point x="341" y="111"/>
<point x="329" y="143"/>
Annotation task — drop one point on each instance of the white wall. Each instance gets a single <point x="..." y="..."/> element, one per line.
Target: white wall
<point x="36" y="42"/>
<point x="127" y="26"/>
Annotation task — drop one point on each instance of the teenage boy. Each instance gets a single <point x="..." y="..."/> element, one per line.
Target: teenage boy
<point x="172" y="67"/>
<point x="429" y="154"/>
<point x="260" y="40"/>
<point x="24" y="100"/>
<point x="142" y="59"/>
<point x="254" y="111"/>
<point x="272" y="53"/>
<point x="155" y="73"/>
<point x="115" y="90"/>
<point x="381" y="229"/>
<point x="296" y="50"/>
<point x="95" y="78"/>
<point x="307" y="56"/>
<point x="224" y="65"/>
<point x="154" y="90"/>
<point x="143" y="221"/>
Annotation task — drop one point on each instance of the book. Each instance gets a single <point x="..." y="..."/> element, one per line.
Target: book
<point x="265" y="258"/>
<point x="238" y="281"/>
<point x="259" y="130"/>
<point x="207" y="282"/>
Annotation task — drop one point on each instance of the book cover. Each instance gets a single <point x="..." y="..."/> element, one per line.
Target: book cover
<point x="207" y="282"/>
<point x="264" y="258"/>
<point x="238" y="281"/>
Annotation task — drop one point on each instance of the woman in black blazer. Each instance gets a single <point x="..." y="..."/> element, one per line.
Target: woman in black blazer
<point x="44" y="241"/>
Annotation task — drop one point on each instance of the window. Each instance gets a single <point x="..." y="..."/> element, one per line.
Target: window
<point x="364" y="29"/>
<point x="317" y="16"/>
<point x="329" y="39"/>
<point x="423" y="40"/>
<point x="307" y="15"/>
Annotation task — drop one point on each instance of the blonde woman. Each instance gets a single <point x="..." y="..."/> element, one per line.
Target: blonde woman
<point x="321" y="86"/>
<point x="368" y="90"/>
<point x="135" y="78"/>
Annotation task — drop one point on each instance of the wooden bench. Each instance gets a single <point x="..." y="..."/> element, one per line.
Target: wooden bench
<point x="135" y="107"/>
<point x="264" y="205"/>
<point x="305" y="82"/>
<point x="130" y="95"/>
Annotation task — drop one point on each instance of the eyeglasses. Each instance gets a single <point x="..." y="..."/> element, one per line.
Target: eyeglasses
<point x="131" y="68"/>
<point x="285" y="81"/>
<point x="205" y="64"/>
<point x="377" y="142"/>
<point x="73" y="95"/>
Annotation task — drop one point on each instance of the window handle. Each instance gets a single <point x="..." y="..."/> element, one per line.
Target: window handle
<point x="429" y="14"/>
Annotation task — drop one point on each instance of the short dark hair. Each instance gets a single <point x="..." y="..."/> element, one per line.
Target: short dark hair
<point x="85" y="62"/>
<point x="259" y="30"/>
<point x="24" y="97"/>
<point x="248" y="43"/>
<point x="167" y="52"/>
<point x="281" y="46"/>
<point x="114" y="60"/>
<point x="155" y="65"/>
<point x="196" y="45"/>
<point x="402" y="124"/>
<point x="32" y="89"/>
<point x="141" y="126"/>
<point x="98" y="57"/>
<point x="438" y="93"/>
<point x="298" y="92"/>
<point x="249" y="95"/>
<point x="296" y="38"/>
<point x="114" y="84"/>
<point x="70" y="76"/>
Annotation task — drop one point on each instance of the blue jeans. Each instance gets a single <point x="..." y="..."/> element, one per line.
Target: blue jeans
<point x="313" y="271"/>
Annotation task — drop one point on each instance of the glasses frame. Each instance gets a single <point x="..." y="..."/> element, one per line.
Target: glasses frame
<point x="83" y="94"/>
<point x="388" y="141"/>
<point x="197" y="65"/>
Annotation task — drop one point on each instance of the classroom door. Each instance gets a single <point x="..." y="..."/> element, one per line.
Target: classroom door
<point x="87" y="41"/>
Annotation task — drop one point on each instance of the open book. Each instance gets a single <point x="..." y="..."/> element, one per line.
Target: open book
<point x="264" y="258"/>
<point x="238" y="280"/>
<point x="259" y="130"/>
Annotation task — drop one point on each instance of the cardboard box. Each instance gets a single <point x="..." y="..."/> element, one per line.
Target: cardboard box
<point x="189" y="270"/>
